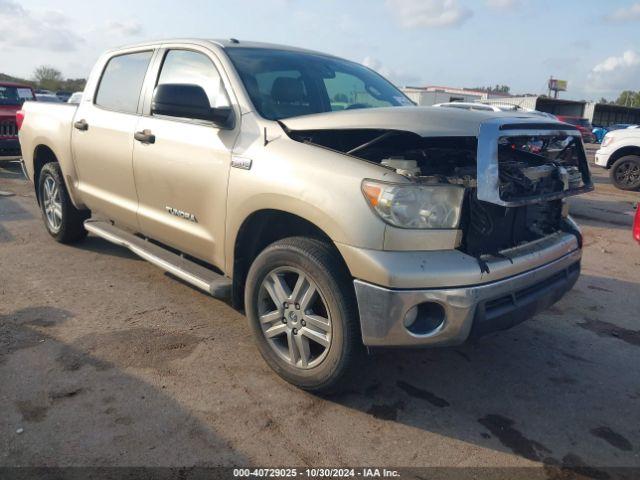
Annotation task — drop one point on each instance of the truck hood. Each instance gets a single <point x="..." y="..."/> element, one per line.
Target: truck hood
<point x="423" y="121"/>
<point x="625" y="133"/>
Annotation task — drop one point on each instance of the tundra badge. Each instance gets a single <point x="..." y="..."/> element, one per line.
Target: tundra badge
<point x="182" y="214"/>
<point x="241" y="162"/>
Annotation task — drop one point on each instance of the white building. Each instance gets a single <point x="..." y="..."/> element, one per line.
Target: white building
<point x="431" y="95"/>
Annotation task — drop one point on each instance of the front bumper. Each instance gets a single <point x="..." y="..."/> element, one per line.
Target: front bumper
<point x="602" y="158"/>
<point x="469" y="311"/>
<point x="9" y="149"/>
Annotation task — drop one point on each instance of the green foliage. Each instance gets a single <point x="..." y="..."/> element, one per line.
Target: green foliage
<point x="629" y="98"/>
<point x="73" y="84"/>
<point x="48" y="78"/>
<point x="497" y="89"/>
<point x="8" y="78"/>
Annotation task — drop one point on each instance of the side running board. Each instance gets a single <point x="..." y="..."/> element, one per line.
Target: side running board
<point x="211" y="282"/>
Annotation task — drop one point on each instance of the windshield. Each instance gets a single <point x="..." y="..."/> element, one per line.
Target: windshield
<point x="14" y="95"/>
<point x="285" y="84"/>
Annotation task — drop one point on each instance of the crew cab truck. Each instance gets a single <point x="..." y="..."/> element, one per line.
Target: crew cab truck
<point x="620" y="153"/>
<point x="315" y="195"/>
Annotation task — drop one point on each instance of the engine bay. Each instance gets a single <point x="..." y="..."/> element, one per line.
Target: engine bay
<point x="534" y="173"/>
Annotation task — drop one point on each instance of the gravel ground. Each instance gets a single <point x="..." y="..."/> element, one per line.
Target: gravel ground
<point x="107" y="361"/>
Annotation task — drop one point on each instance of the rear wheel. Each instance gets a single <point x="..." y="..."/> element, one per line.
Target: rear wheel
<point x="301" y="307"/>
<point x="63" y="220"/>
<point x="625" y="173"/>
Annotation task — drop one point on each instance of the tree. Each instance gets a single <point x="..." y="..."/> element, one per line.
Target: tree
<point x="505" y="89"/>
<point x="73" y="84"/>
<point x="629" y="98"/>
<point x="47" y="77"/>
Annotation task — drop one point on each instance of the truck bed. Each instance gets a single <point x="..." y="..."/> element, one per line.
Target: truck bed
<point x="47" y="125"/>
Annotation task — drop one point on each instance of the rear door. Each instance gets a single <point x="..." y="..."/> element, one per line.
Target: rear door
<point x="181" y="177"/>
<point x="102" y="138"/>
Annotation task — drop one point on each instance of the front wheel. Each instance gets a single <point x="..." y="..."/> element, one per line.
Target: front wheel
<point x="300" y="303"/>
<point x="63" y="220"/>
<point x="625" y="173"/>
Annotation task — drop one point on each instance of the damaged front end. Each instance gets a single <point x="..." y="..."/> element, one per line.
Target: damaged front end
<point x="513" y="178"/>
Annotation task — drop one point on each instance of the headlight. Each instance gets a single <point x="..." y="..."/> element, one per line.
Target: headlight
<point x="607" y="140"/>
<point x="415" y="206"/>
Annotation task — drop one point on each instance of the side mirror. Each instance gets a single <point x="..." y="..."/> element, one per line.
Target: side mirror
<point x="188" y="101"/>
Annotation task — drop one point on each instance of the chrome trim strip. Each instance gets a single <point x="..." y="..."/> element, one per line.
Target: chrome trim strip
<point x="488" y="170"/>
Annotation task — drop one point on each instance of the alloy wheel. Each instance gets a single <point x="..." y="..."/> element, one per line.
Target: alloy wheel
<point x="294" y="317"/>
<point x="628" y="173"/>
<point x="52" y="204"/>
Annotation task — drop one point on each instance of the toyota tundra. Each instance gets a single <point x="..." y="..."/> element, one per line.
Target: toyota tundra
<point x="313" y="194"/>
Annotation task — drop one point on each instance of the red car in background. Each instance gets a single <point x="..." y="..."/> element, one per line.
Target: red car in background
<point x="582" y="124"/>
<point x="12" y="96"/>
<point x="636" y="224"/>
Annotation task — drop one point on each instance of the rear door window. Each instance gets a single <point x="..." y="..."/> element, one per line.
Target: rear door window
<point x="122" y="80"/>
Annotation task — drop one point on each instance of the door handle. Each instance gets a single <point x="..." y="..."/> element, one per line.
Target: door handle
<point x="145" y="136"/>
<point x="81" y="125"/>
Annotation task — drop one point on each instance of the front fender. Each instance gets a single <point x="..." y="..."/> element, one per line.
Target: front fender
<point x="319" y="186"/>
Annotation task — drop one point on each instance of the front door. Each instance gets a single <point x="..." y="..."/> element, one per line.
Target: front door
<point x="181" y="177"/>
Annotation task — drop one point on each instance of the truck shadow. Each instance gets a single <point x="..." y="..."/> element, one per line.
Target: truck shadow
<point x="562" y="389"/>
<point x="101" y="246"/>
<point x="63" y="405"/>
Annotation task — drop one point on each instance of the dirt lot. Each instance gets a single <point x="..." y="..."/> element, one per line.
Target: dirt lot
<point x="105" y="360"/>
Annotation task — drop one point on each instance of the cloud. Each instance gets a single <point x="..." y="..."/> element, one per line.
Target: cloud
<point x="611" y="64"/>
<point x="21" y="27"/>
<point x="503" y="4"/>
<point x="429" y="13"/>
<point x="625" y="14"/>
<point x="399" y="78"/>
<point x="127" y="29"/>
<point x="616" y="73"/>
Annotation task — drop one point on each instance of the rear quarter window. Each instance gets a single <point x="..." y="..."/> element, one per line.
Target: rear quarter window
<point x="122" y="80"/>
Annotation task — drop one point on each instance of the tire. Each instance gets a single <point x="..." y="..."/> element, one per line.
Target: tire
<point x="312" y="264"/>
<point x="625" y="173"/>
<point x="62" y="219"/>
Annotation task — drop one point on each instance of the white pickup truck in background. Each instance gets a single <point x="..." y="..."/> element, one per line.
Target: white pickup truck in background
<point x="620" y="153"/>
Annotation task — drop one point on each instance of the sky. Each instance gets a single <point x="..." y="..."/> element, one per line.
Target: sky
<point x="594" y="44"/>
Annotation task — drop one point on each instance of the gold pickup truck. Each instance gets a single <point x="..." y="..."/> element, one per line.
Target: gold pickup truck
<point x="311" y="192"/>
